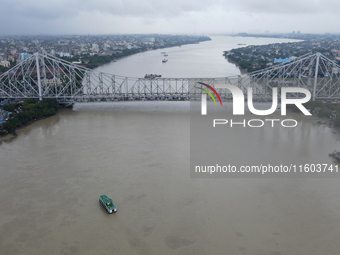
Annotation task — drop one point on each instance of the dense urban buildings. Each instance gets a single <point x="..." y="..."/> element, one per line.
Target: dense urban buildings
<point x="88" y="50"/>
<point x="253" y="58"/>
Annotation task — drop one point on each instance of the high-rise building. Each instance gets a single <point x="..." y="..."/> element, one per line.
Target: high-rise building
<point x="23" y="56"/>
<point x="66" y="48"/>
<point x="95" y="48"/>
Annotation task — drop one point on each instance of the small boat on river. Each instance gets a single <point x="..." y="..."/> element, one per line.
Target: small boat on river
<point x="107" y="203"/>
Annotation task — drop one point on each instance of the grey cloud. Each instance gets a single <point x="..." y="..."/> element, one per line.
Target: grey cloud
<point x="71" y="16"/>
<point x="158" y="8"/>
<point x="136" y="8"/>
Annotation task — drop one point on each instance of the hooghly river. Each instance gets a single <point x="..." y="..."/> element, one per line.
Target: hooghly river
<point x="138" y="153"/>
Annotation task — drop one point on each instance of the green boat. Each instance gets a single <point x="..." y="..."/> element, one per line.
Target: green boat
<point x="107" y="204"/>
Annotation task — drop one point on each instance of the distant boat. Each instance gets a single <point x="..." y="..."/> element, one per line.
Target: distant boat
<point x="163" y="52"/>
<point x="165" y="55"/>
<point x="152" y="76"/>
<point x="164" y="60"/>
<point x="107" y="204"/>
<point x="241" y="44"/>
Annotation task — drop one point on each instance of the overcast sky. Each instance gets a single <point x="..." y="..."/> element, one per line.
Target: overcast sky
<point x="172" y="16"/>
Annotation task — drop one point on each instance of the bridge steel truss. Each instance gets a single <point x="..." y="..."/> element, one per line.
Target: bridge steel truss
<point x="45" y="76"/>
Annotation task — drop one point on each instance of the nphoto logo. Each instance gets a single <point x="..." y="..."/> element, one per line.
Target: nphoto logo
<point x="238" y="105"/>
<point x="238" y="99"/>
<point x="213" y="90"/>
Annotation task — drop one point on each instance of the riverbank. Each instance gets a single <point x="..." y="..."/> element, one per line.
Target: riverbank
<point x="95" y="61"/>
<point x="323" y="114"/>
<point x="29" y="111"/>
<point x="10" y="137"/>
<point x="242" y="71"/>
<point x="257" y="57"/>
<point x="7" y="138"/>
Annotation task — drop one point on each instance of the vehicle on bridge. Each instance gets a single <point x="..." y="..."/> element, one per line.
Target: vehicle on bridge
<point x="152" y="76"/>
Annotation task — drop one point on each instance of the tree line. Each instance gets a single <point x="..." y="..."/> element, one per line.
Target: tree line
<point x="322" y="110"/>
<point x="31" y="110"/>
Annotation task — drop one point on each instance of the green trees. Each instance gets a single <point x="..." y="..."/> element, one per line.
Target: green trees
<point x="313" y="104"/>
<point x="50" y="103"/>
<point x="324" y="113"/>
<point x="23" y="117"/>
<point x="325" y="110"/>
<point x="32" y="109"/>
<point x="11" y="125"/>
<point x="27" y="102"/>
<point x="337" y="122"/>
<point x="9" y="107"/>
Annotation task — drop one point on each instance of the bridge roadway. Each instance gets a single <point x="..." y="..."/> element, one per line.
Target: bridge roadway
<point x="45" y="76"/>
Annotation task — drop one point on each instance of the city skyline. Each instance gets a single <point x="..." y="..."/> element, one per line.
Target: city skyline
<point x="34" y="17"/>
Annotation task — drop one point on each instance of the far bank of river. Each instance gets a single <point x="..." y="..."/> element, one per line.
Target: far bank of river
<point x="95" y="61"/>
<point x="204" y="60"/>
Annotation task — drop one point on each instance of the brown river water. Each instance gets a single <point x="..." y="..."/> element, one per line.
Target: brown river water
<point x="138" y="153"/>
<point x="53" y="172"/>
